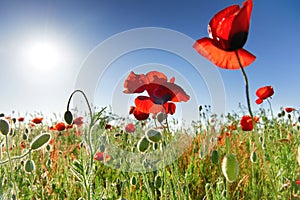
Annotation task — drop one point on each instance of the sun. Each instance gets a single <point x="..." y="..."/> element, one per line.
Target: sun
<point x="43" y="55"/>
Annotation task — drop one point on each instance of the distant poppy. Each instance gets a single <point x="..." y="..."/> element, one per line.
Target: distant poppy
<point x="228" y="32"/>
<point x="23" y="145"/>
<point x="107" y="126"/>
<point x="100" y="156"/>
<point x="60" y="126"/>
<point x="130" y="128"/>
<point x="298" y="182"/>
<point x="288" y="110"/>
<point x="246" y="123"/>
<point x="37" y="120"/>
<point x="78" y="121"/>
<point x="161" y="93"/>
<point x="21" y="119"/>
<point x="264" y="93"/>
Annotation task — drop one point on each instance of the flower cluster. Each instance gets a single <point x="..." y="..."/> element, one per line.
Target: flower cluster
<point x="162" y="94"/>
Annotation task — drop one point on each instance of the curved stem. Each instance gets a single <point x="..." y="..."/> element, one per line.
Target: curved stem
<point x="15" y="158"/>
<point x="85" y="97"/>
<point x="246" y="84"/>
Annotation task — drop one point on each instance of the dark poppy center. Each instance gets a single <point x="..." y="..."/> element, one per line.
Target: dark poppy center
<point x="237" y="41"/>
<point x="161" y="99"/>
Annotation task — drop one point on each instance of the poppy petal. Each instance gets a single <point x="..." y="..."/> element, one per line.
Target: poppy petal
<point x="156" y="77"/>
<point x="170" y="108"/>
<point x="259" y="101"/>
<point x="216" y="25"/>
<point x="140" y="115"/>
<point x="135" y="83"/>
<point x="146" y="105"/>
<point x="221" y="58"/>
<point x="176" y="92"/>
<point x="241" y="22"/>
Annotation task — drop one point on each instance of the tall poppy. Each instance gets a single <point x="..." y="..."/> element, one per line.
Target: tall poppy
<point x="264" y="93"/>
<point x="162" y="93"/>
<point x="228" y="32"/>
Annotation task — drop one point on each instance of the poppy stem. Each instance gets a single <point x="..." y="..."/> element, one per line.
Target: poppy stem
<point x="271" y="108"/>
<point x="246" y="84"/>
<point x="85" y="97"/>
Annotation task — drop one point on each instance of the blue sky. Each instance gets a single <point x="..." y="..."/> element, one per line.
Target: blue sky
<point x="76" y="28"/>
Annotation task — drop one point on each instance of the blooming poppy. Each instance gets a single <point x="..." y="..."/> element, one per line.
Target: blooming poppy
<point x="264" y="93"/>
<point x="162" y="93"/>
<point x="21" y="119"/>
<point x="228" y="32"/>
<point x="37" y="120"/>
<point x="130" y="128"/>
<point x="107" y="126"/>
<point x="100" y="156"/>
<point x="60" y="126"/>
<point x="78" y="121"/>
<point x="288" y="110"/>
<point x="23" y="145"/>
<point x="246" y="123"/>
<point x="298" y="182"/>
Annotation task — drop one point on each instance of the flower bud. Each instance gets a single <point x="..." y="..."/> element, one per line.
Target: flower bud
<point x="230" y="167"/>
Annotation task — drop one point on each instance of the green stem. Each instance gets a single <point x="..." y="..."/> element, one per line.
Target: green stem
<point x="246" y="84"/>
<point x="15" y="158"/>
<point x="10" y="163"/>
<point x="85" y="97"/>
<point x="271" y="108"/>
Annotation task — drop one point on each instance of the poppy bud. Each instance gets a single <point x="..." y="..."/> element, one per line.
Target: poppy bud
<point x="153" y="135"/>
<point x="214" y="157"/>
<point x="39" y="141"/>
<point x="4" y="127"/>
<point x="25" y="136"/>
<point x="143" y="144"/>
<point x="29" y="166"/>
<point x="230" y="167"/>
<point x="155" y="146"/>
<point x="68" y="117"/>
<point x="289" y="116"/>
<point x="253" y="157"/>
<point x="157" y="181"/>
<point x="161" y="117"/>
<point x="2" y="115"/>
<point x="102" y="147"/>
<point x="133" y="180"/>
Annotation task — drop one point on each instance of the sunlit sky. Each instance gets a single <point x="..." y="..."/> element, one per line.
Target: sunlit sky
<point x="44" y="45"/>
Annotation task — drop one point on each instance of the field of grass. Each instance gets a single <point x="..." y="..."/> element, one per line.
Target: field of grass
<point x="266" y="164"/>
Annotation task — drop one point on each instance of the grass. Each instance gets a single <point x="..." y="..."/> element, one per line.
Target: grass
<point x="185" y="170"/>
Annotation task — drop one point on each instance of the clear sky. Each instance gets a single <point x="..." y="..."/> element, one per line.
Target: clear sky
<point x="70" y="30"/>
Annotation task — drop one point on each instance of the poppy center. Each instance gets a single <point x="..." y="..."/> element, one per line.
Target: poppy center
<point x="237" y="41"/>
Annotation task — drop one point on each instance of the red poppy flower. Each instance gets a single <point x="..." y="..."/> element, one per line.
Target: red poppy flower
<point x="161" y="93"/>
<point x="288" y="110"/>
<point x="100" y="156"/>
<point x="298" y="182"/>
<point x="130" y="128"/>
<point x="246" y="123"/>
<point x="21" y="119"/>
<point x="78" y="121"/>
<point x="228" y="31"/>
<point x="23" y="145"/>
<point x="107" y="126"/>
<point x="60" y="126"/>
<point x="37" y="120"/>
<point x="264" y="93"/>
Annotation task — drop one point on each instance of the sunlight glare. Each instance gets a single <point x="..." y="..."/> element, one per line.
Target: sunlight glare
<point x="43" y="55"/>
